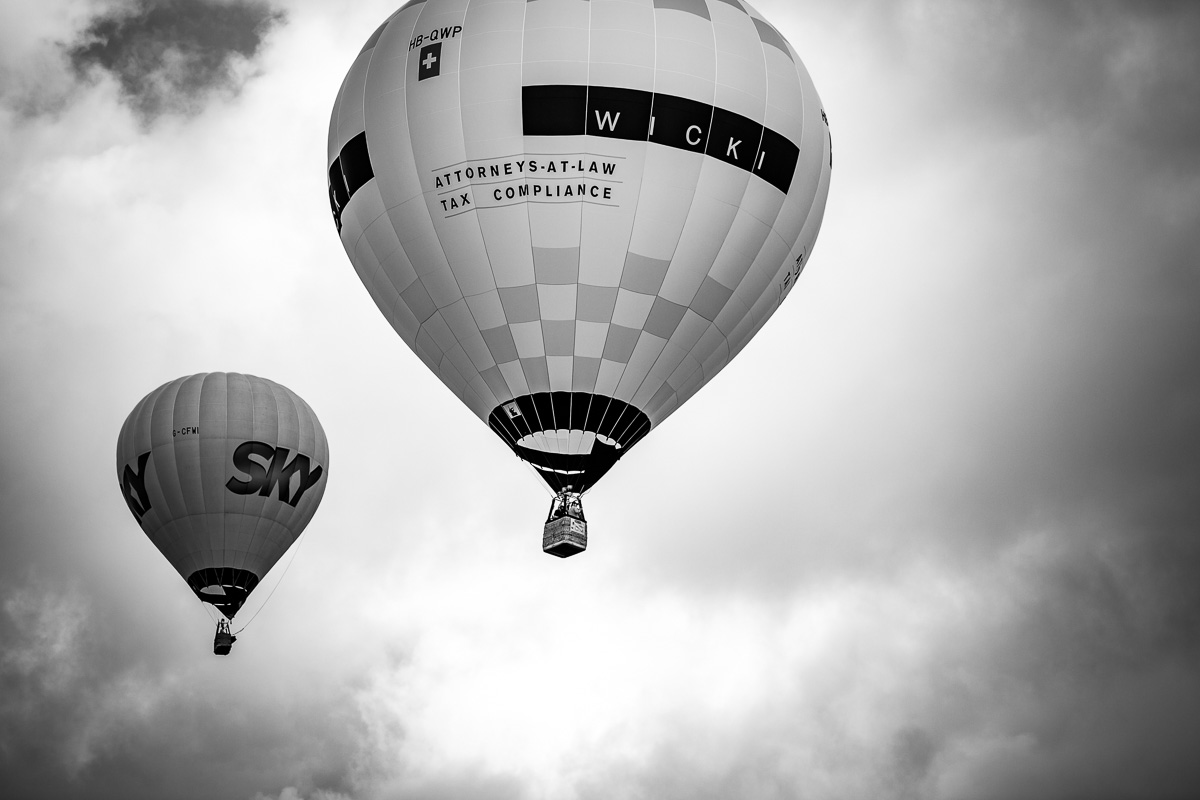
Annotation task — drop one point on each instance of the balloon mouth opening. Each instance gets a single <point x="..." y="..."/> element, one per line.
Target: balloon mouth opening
<point x="569" y="441"/>
<point x="570" y="438"/>
<point x="224" y="588"/>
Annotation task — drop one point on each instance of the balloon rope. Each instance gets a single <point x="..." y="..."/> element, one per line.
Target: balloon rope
<point x="295" y="550"/>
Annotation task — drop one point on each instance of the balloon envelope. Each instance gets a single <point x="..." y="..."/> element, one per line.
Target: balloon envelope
<point x="222" y="471"/>
<point x="576" y="212"/>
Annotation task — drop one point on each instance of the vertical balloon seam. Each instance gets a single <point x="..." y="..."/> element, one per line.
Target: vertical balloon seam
<point x="812" y="202"/>
<point x="283" y="523"/>
<point x="161" y="453"/>
<point x="163" y="460"/>
<point x="550" y="435"/>
<point x="246" y="521"/>
<point x="649" y="368"/>
<point x="283" y="513"/>
<point x="209" y="513"/>
<point x="193" y="520"/>
<point x="706" y="374"/>
<point x="257" y="434"/>
<point x="260" y="533"/>
<point x="362" y="237"/>
<point x="447" y="363"/>
<point x="641" y="187"/>
<point x="237" y="384"/>
<point x="291" y="510"/>
<point x="564" y="447"/>
<point x="528" y="213"/>
<point x="735" y="345"/>
<point x="478" y="220"/>
<point x="178" y="529"/>
<point x="529" y="222"/>
<point x="443" y="361"/>
<point x="716" y="71"/>
<point x="390" y="32"/>
<point x="679" y="234"/>
<point x="242" y="527"/>
<point x="706" y="167"/>
<point x="382" y="274"/>
<point x="475" y="214"/>
<point x="729" y="352"/>
<point x="418" y="350"/>
<point x="266" y="526"/>
<point x="514" y="390"/>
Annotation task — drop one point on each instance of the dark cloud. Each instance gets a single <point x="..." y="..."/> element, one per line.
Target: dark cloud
<point x="1122" y="69"/>
<point x="169" y="56"/>
<point x="88" y="710"/>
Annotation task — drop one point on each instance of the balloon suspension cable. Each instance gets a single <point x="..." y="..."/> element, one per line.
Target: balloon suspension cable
<point x="286" y="567"/>
<point x="210" y="611"/>
<point x="540" y="480"/>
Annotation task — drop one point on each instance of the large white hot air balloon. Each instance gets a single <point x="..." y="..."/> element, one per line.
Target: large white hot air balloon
<point x="223" y="472"/>
<point x="576" y="212"/>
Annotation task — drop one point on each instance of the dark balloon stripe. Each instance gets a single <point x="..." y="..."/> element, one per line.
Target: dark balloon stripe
<point x="616" y="113"/>
<point x="349" y="171"/>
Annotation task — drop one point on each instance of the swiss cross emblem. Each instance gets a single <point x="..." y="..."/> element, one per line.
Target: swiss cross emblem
<point x="430" y="64"/>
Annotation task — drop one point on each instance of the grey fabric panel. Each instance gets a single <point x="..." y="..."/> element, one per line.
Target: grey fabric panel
<point x="500" y="342"/>
<point x="520" y="303"/>
<point x="429" y="350"/>
<point x="418" y="301"/>
<point x="661" y="396"/>
<point x="643" y="274"/>
<point x="711" y="298"/>
<point x="596" y="303"/>
<point x="620" y="343"/>
<point x="697" y="7"/>
<point x="495" y="381"/>
<point x="559" y="336"/>
<point x="374" y="38"/>
<point x="735" y="4"/>
<point x="556" y="265"/>
<point x="770" y="36"/>
<point x="586" y="370"/>
<point x="536" y="373"/>
<point x="664" y="317"/>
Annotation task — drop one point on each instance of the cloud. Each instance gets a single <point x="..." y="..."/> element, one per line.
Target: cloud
<point x="170" y="56"/>
<point x="292" y="793"/>
<point x="89" y="710"/>
<point x="1123" y="70"/>
<point x="959" y="561"/>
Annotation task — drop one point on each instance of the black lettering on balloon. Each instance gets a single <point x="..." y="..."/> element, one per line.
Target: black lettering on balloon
<point x="134" y="483"/>
<point x="277" y="472"/>
<point x="618" y="113"/>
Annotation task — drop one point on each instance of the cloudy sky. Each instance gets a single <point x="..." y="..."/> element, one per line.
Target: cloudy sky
<point x="959" y="557"/>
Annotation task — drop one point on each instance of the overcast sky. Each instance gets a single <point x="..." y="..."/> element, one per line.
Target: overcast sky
<point x="958" y="557"/>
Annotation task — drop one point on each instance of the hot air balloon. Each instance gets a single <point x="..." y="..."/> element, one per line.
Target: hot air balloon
<point x="223" y="472"/>
<point x="576" y="212"/>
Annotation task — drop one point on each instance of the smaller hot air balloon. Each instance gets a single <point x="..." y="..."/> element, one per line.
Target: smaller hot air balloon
<point x="223" y="472"/>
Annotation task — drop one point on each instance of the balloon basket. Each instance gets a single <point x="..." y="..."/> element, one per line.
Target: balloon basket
<point x="564" y="537"/>
<point x="223" y="641"/>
